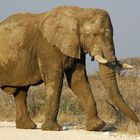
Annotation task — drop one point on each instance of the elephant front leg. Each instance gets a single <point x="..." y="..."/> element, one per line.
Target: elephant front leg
<point x="79" y="84"/>
<point x="23" y="119"/>
<point x="53" y="92"/>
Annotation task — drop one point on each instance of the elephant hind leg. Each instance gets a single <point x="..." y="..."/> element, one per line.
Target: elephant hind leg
<point x="23" y="119"/>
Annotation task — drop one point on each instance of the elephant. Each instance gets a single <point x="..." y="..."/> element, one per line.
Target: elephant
<point x="45" y="47"/>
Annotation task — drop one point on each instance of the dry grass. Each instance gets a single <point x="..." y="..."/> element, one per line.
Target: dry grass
<point x="72" y="111"/>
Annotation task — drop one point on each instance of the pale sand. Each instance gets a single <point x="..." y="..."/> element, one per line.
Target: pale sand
<point x="9" y="132"/>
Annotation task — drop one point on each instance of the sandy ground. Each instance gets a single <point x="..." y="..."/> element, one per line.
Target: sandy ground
<point x="9" y="132"/>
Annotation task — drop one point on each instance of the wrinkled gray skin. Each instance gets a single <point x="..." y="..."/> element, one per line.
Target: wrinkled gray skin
<point x="37" y="48"/>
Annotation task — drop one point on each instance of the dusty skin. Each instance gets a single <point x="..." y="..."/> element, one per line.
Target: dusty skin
<point x="36" y="48"/>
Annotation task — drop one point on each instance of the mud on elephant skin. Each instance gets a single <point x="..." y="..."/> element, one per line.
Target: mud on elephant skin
<point x="44" y="47"/>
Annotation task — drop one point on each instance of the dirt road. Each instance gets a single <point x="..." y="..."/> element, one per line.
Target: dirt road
<point x="9" y="132"/>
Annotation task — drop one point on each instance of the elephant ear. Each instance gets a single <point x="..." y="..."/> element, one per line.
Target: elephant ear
<point x="61" y="31"/>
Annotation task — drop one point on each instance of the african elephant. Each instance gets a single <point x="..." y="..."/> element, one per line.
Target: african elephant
<point x="36" y="48"/>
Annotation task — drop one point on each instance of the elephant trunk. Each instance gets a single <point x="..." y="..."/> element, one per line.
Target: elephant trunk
<point x="109" y="78"/>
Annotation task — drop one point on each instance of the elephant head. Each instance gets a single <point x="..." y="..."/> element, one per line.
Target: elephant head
<point x="76" y="30"/>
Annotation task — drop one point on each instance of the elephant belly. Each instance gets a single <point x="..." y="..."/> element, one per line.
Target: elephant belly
<point x="19" y="75"/>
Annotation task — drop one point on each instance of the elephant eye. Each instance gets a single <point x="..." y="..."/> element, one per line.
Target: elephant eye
<point x="94" y="34"/>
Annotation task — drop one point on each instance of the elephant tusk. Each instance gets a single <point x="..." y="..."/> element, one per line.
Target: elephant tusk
<point x="101" y="59"/>
<point x="126" y="66"/>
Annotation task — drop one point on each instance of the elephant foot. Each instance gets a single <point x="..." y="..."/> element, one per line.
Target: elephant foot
<point x="95" y="125"/>
<point x="51" y="126"/>
<point x="25" y="124"/>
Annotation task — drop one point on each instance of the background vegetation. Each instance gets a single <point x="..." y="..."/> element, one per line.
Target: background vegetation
<point x="71" y="110"/>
